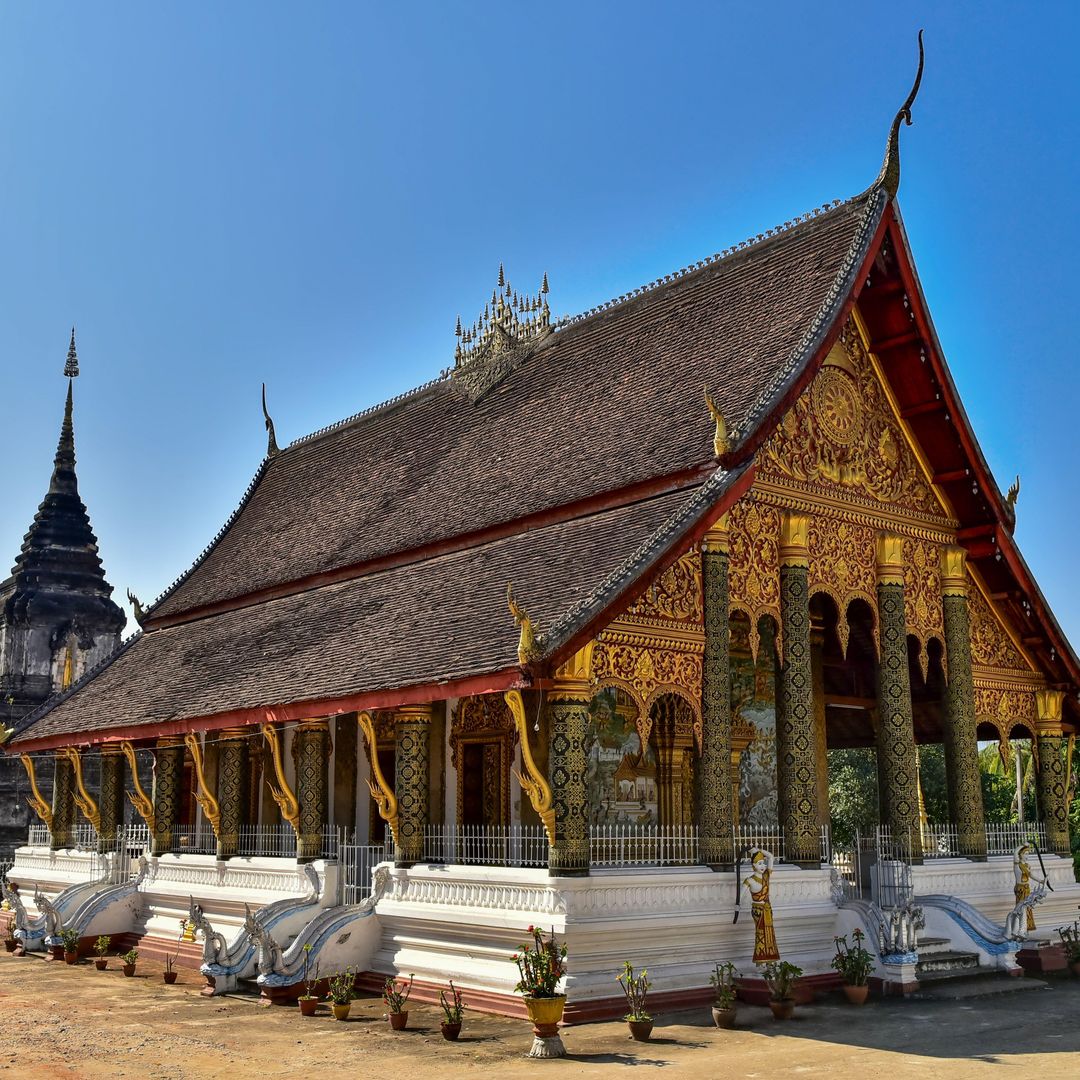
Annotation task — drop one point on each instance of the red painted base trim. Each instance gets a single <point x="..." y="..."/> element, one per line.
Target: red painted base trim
<point x="1041" y="959"/>
<point x="756" y="991"/>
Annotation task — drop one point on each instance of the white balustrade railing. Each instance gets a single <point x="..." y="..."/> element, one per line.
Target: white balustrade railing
<point x="39" y="835"/>
<point x="1005" y="839"/>
<point x="268" y="841"/>
<point x="357" y="863"/>
<point x="486" y="845"/>
<point x="768" y="838"/>
<point x="617" y="846"/>
<point x="193" y="840"/>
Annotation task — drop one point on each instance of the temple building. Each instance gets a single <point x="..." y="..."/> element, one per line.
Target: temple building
<point x="57" y="618"/>
<point x="563" y="635"/>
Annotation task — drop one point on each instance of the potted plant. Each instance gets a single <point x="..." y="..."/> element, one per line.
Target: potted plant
<point x="636" y="989"/>
<point x="780" y="977"/>
<point x="130" y="958"/>
<point x="541" y="965"/>
<point x="308" y="1001"/>
<point x="1070" y="940"/>
<point x="453" y="1010"/>
<point x="395" y="995"/>
<point x="101" y="947"/>
<point x="855" y="965"/>
<point x="723" y="982"/>
<point x="11" y="942"/>
<point x="70" y="939"/>
<point x="341" y="993"/>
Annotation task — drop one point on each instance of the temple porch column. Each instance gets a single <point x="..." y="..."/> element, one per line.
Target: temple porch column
<point x="821" y="740"/>
<point x="796" y="767"/>
<point x="412" y="735"/>
<point x="311" y="752"/>
<point x="1050" y="780"/>
<point x="110" y="796"/>
<point x="715" y="797"/>
<point x="232" y="789"/>
<point x="568" y="761"/>
<point x="898" y="769"/>
<point x="962" y="774"/>
<point x="168" y="777"/>
<point x="63" y="803"/>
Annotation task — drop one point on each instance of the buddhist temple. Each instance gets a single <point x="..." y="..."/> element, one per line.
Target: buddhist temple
<point x="566" y="634"/>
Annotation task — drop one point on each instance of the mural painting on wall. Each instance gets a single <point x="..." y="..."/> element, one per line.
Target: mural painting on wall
<point x="753" y="704"/>
<point x="622" y="774"/>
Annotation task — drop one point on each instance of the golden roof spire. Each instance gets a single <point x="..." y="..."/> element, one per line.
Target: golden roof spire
<point x="889" y="177"/>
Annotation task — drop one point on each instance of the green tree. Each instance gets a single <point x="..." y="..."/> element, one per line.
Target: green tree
<point x="853" y="792"/>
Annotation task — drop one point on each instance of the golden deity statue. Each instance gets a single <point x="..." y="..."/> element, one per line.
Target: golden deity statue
<point x="1022" y="876"/>
<point x="757" y="884"/>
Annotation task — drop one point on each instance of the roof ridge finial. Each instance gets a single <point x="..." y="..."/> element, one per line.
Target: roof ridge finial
<point x="271" y="438"/>
<point x="889" y="177"/>
<point x="71" y="367"/>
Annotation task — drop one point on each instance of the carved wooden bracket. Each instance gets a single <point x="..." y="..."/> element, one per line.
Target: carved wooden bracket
<point x="144" y="806"/>
<point x="35" y="801"/>
<point x="381" y="791"/>
<point x="534" y="784"/>
<point x="83" y="799"/>
<point x="282" y="793"/>
<point x="210" y="808"/>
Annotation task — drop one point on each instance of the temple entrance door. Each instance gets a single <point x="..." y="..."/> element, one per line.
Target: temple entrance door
<point x="481" y="783"/>
<point x="482" y="738"/>
<point x="673" y="742"/>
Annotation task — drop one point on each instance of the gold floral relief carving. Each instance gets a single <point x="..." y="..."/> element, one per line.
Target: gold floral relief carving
<point x="842" y="565"/>
<point x="645" y="670"/>
<point x="754" y="567"/>
<point x="1005" y="708"/>
<point x="842" y="438"/>
<point x="480" y="714"/>
<point x="674" y="595"/>
<point x="923" y="613"/>
<point x="991" y="646"/>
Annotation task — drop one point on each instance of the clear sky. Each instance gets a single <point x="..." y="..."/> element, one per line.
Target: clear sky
<point x="218" y="194"/>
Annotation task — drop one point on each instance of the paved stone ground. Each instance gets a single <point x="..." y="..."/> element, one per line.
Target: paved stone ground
<point x="59" y="1021"/>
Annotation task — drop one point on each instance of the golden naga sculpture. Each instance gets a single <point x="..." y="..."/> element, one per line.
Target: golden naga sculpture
<point x="534" y="784"/>
<point x="721" y="442"/>
<point x="381" y="791"/>
<point x="210" y="808"/>
<point x="136" y="608"/>
<point x="529" y="650"/>
<point x="83" y="799"/>
<point x="35" y="801"/>
<point x="144" y="806"/>
<point x="1013" y="494"/>
<point x="282" y="793"/>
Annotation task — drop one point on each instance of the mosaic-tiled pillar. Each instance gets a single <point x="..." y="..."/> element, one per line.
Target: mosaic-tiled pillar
<point x="254" y="777"/>
<point x="796" y="766"/>
<point x="568" y="761"/>
<point x="1050" y="780"/>
<point x="821" y="739"/>
<point x="412" y="733"/>
<point x="168" y="778"/>
<point x="232" y="789"/>
<point x="714" y="773"/>
<point x="311" y="752"/>
<point x="63" y="803"/>
<point x="110" y="796"/>
<point x="898" y="768"/>
<point x="961" y="745"/>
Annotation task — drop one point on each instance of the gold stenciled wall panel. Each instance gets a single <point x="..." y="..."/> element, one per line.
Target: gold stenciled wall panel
<point x="754" y="568"/>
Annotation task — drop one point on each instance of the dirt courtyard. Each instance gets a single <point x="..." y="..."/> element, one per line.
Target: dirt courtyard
<point x="61" y="1021"/>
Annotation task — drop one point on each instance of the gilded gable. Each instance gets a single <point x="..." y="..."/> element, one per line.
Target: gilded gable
<point x="991" y="646"/>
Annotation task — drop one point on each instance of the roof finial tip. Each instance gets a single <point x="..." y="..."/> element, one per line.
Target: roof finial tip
<point x="271" y="438"/>
<point x="889" y="177"/>
<point x="71" y="366"/>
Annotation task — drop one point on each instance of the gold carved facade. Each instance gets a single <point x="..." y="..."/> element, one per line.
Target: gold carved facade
<point x="484" y="721"/>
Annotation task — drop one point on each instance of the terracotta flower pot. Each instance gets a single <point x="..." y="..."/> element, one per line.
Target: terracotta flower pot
<point x="782" y="1010"/>
<point x="545" y="1014"/>
<point x="341" y="1012"/>
<point x="308" y="1005"/>
<point x="11" y="944"/>
<point x="640" y="1030"/>
<point x="129" y="970"/>
<point x="101" y="963"/>
<point x="450" y="1032"/>
<point x="1074" y="967"/>
<point x="71" y="957"/>
<point x="56" y="952"/>
<point x="723" y="1018"/>
<point x="399" y="1020"/>
<point x="170" y="976"/>
<point x="857" y="995"/>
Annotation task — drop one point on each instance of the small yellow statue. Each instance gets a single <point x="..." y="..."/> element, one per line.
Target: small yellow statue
<point x="1022" y="877"/>
<point x="757" y="884"/>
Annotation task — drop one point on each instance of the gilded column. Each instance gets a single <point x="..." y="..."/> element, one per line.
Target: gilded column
<point x="412" y="732"/>
<point x="63" y="803"/>
<point x="110" y="796"/>
<point x="898" y="769"/>
<point x="821" y="737"/>
<point x="232" y="789"/>
<point x="168" y="778"/>
<point x="568" y="762"/>
<point x="311" y="751"/>
<point x="1050" y="780"/>
<point x="796" y="766"/>
<point x="714" y="775"/>
<point x="961" y="744"/>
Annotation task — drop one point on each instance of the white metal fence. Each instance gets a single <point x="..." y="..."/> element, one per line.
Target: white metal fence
<point x="357" y="863"/>
<point x="486" y="845"/>
<point x="1005" y="839"/>
<point x="615" y="846"/>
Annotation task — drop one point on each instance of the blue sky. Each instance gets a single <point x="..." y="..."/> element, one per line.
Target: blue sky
<point x="310" y="194"/>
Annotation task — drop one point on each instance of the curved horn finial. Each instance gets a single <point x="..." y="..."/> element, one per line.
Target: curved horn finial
<point x="271" y="438"/>
<point x="889" y="177"/>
